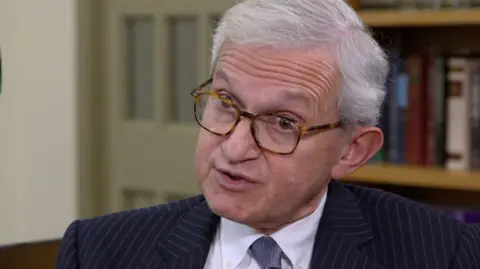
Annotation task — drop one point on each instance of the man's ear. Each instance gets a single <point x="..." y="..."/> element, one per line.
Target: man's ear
<point x="365" y="143"/>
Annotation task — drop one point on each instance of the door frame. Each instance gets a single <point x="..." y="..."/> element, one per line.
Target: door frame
<point x="90" y="111"/>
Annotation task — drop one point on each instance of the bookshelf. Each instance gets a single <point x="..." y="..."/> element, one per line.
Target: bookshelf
<point x="449" y="31"/>
<point x="421" y="18"/>
<point x="416" y="176"/>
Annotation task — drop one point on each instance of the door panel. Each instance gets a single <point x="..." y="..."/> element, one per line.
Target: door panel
<point x="155" y="53"/>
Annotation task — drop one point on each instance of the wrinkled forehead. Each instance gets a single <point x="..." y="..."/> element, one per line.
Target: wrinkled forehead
<point x="295" y="54"/>
<point x="298" y="70"/>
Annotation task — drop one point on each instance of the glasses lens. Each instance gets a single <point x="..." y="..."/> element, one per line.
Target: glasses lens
<point x="215" y="114"/>
<point x="275" y="133"/>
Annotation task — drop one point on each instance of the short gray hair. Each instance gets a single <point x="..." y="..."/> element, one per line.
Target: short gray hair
<point x="310" y="23"/>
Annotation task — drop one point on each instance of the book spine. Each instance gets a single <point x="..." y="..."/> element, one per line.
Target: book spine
<point x="475" y="114"/>
<point x="458" y="131"/>
<point x="416" y="132"/>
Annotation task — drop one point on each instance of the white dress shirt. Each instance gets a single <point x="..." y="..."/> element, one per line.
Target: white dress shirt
<point x="230" y="247"/>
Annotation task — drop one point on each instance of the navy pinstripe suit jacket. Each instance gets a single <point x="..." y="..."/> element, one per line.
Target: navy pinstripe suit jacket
<point x="361" y="228"/>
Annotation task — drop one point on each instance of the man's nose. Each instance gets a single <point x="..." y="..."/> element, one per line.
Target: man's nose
<point x="240" y="145"/>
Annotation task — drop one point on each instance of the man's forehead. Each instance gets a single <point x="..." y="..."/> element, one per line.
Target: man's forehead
<point x="303" y="63"/>
<point x="292" y="73"/>
<point x="292" y="91"/>
<point x="313" y="62"/>
<point x="273" y="94"/>
<point x="318" y="54"/>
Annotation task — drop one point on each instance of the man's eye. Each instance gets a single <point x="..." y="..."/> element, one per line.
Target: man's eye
<point x="284" y="123"/>
<point x="224" y="99"/>
<point x="288" y="118"/>
<point x="225" y="95"/>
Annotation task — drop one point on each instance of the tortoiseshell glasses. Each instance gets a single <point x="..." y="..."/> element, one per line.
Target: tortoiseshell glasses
<point x="277" y="134"/>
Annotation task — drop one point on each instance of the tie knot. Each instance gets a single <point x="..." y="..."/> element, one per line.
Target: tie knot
<point x="267" y="253"/>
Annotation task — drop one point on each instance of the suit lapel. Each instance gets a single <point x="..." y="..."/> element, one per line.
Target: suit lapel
<point x="188" y="244"/>
<point x="344" y="237"/>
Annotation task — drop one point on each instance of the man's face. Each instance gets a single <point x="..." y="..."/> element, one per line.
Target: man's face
<point x="271" y="190"/>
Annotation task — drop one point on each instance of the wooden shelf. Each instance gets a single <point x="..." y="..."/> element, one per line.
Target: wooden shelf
<point x="412" y="176"/>
<point x="419" y="18"/>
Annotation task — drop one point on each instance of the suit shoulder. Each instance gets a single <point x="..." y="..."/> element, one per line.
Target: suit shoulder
<point x="414" y="229"/>
<point x="164" y="215"/>
<point x="391" y="207"/>
<point x="98" y="238"/>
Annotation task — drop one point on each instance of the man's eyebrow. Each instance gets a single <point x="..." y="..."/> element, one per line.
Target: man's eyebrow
<point x="221" y="74"/>
<point x="293" y="95"/>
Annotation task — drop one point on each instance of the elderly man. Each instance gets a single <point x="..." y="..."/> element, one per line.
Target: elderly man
<point x="292" y="104"/>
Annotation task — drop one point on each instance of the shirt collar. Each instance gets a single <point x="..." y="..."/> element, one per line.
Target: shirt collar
<point x="236" y="238"/>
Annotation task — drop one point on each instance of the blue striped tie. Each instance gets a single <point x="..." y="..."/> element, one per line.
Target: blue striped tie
<point x="267" y="253"/>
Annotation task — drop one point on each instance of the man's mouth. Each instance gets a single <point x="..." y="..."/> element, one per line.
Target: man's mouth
<point x="234" y="177"/>
<point x="234" y="181"/>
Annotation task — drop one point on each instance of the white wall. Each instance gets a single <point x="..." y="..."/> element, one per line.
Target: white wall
<point x="38" y="182"/>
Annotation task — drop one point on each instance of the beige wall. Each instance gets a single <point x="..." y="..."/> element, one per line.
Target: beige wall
<point x="38" y="153"/>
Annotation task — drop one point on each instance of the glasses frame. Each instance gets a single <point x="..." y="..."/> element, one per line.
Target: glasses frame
<point x="197" y="92"/>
